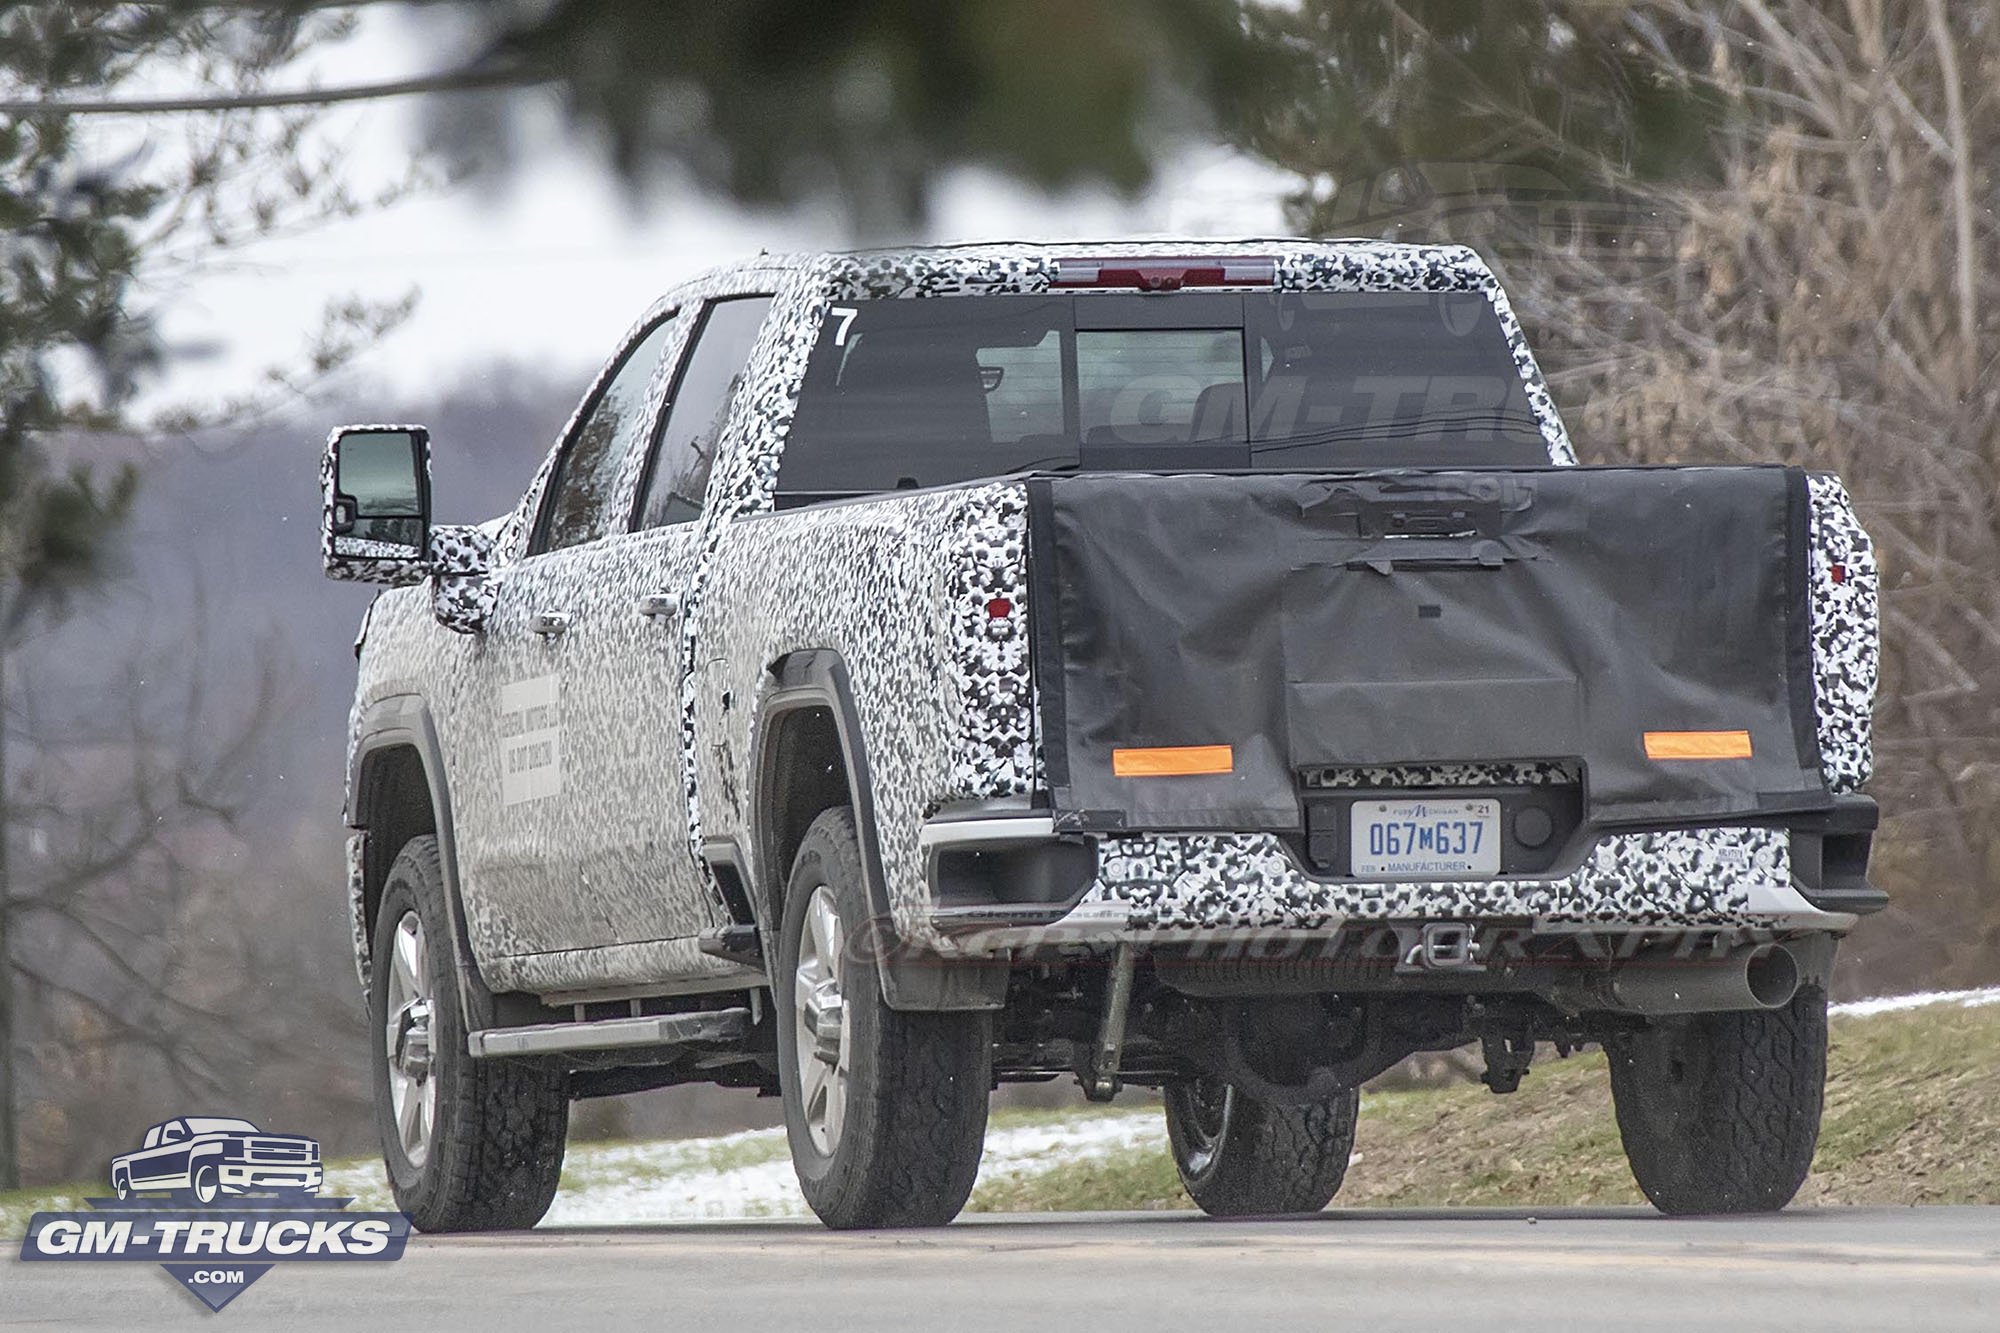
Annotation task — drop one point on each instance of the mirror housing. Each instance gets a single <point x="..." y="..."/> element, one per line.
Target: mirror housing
<point x="375" y="514"/>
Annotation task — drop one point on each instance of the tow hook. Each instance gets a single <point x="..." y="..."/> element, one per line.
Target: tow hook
<point x="1103" y="1083"/>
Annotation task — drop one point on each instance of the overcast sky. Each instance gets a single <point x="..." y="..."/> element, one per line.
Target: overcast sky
<point x="550" y="268"/>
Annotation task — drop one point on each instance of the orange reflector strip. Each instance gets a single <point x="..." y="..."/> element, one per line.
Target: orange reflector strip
<point x="1173" y="761"/>
<point x="1697" y="745"/>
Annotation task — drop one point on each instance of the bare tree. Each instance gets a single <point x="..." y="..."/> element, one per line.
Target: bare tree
<point x="151" y="956"/>
<point x="99" y="225"/>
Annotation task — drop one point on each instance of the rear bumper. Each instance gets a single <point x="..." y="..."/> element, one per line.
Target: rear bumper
<point x="1007" y="880"/>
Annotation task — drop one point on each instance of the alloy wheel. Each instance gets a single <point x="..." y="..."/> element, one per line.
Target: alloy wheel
<point x="412" y="1079"/>
<point x="821" y="1022"/>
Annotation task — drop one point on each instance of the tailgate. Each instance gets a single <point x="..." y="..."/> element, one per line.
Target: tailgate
<point x="1647" y="626"/>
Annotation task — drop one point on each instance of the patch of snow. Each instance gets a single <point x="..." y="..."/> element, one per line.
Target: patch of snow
<point x="642" y="1183"/>
<point x="659" y="1182"/>
<point x="750" y="1174"/>
<point x="1892" y="1004"/>
<point x="363" y="1180"/>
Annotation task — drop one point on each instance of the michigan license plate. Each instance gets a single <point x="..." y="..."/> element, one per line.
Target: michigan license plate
<point x="1395" y="839"/>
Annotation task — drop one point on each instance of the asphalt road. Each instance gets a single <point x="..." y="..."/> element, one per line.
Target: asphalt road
<point x="1619" y="1268"/>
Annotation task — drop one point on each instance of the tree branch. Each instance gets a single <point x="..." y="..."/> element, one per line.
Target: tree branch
<point x="468" y="79"/>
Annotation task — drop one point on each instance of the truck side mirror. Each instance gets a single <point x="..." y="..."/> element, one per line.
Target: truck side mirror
<point x="375" y="483"/>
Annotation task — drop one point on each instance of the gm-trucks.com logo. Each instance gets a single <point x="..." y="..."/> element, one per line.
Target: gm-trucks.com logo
<point x="217" y="1203"/>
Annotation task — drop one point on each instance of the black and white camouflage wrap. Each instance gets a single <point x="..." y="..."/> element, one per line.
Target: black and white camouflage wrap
<point x="1209" y="881"/>
<point x="357" y="903"/>
<point x="461" y="564"/>
<point x="924" y="595"/>
<point x="1538" y="773"/>
<point x="1846" y="643"/>
<point x="901" y="590"/>
<point x="998" y="751"/>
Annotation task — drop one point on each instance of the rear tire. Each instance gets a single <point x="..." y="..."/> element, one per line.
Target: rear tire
<point x="1239" y="1157"/>
<point x="1720" y="1112"/>
<point x="885" y="1110"/>
<point x="480" y="1144"/>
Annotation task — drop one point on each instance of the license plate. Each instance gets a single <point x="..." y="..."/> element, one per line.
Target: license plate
<point x="1397" y="839"/>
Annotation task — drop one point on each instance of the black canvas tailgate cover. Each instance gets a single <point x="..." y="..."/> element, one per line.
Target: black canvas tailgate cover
<point x="1434" y="617"/>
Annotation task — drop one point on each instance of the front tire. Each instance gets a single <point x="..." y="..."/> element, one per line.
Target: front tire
<point x="207" y="1185"/>
<point x="1720" y="1113"/>
<point x="471" y="1145"/>
<point x="885" y="1110"/>
<point x="1239" y="1157"/>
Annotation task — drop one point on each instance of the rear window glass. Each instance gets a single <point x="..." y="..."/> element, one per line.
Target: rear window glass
<point x="922" y="392"/>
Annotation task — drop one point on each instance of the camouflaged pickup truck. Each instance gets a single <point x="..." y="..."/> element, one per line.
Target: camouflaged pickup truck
<point x="1193" y="666"/>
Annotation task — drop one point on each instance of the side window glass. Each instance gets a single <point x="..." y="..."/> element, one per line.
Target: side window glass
<point x="678" y="476"/>
<point x="580" y="492"/>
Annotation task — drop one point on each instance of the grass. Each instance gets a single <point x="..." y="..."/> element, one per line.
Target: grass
<point x="1912" y="1116"/>
<point x="17" y="1205"/>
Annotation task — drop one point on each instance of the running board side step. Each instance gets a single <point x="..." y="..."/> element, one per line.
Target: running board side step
<point x="610" y="1033"/>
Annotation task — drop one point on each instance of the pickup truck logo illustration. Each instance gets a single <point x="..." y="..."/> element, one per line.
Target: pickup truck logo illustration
<point x="205" y="1158"/>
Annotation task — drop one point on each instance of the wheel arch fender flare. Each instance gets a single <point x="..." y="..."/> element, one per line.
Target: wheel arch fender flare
<point x="812" y="678"/>
<point x="392" y="725"/>
<point x="912" y="979"/>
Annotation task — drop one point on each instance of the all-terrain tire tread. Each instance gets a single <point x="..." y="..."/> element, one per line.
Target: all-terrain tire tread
<point x="927" y="1109"/>
<point x="1273" y="1159"/>
<point x="502" y="1125"/>
<point x="1742" y="1138"/>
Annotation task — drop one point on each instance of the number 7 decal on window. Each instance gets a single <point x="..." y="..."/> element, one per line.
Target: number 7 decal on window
<point x="845" y="314"/>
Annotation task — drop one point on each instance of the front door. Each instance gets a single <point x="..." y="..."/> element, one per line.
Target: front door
<point x="526" y="824"/>
<point x="592" y="804"/>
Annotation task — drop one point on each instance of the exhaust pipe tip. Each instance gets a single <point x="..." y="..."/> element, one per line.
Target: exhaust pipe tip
<point x="1764" y="976"/>
<point x="1772" y="976"/>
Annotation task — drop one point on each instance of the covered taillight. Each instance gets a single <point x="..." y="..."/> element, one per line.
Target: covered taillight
<point x="1167" y="274"/>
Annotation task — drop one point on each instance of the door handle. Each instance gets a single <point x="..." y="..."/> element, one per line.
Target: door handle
<point x="655" y="605"/>
<point x="548" y="624"/>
